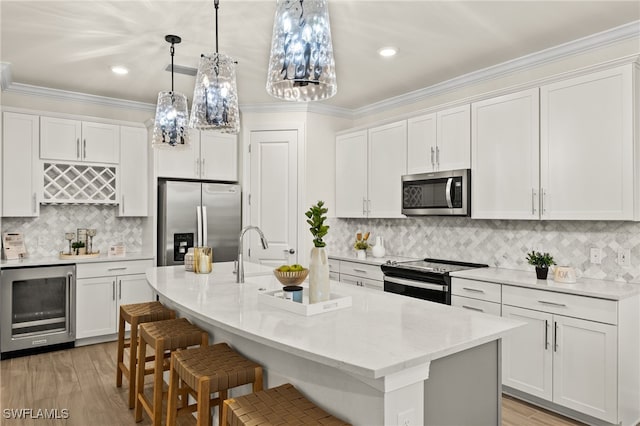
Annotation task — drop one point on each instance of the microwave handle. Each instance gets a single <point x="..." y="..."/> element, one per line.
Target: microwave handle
<point x="448" y="191"/>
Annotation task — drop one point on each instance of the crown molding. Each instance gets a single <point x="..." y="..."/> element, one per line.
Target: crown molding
<point x="5" y="75"/>
<point x="306" y="107"/>
<point x="590" y="42"/>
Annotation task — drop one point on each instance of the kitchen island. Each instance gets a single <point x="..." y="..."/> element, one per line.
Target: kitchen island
<point x="387" y="359"/>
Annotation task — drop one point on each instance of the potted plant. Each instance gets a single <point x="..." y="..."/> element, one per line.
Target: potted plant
<point x="319" y="263"/>
<point x="541" y="261"/>
<point x="361" y="245"/>
<point x="77" y="247"/>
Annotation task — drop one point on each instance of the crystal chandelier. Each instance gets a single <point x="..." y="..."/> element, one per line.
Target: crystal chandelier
<point x="301" y="67"/>
<point x="215" y="96"/>
<point x="171" y="124"/>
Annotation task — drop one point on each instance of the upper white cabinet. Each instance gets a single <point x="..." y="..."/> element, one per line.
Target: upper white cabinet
<point x="505" y="157"/>
<point x="369" y="165"/>
<point x="20" y="183"/>
<point x="133" y="186"/>
<point x="210" y="155"/>
<point x="587" y="148"/>
<point x="71" y="140"/>
<point x="439" y="141"/>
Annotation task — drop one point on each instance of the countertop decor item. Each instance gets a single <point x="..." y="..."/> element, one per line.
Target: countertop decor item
<point x="202" y="260"/>
<point x="293" y="292"/>
<point x="215" y="95"/>
<point x="361" y="245"/>
<point x="301" y="64"/>
<point x="541" y="261"/>
<point x="79" y="248"/>
<point x="276" y="298"/>
<point x="91" y="232"/>
<point x="291" y="277"/>
<point x="69" y="236"/>
<point x="566" y="274"/>
<point x="319" y="264"/>
<point x="378" y="249"/>
<point x="170" y="129"/>
<point x="63" y="255"/>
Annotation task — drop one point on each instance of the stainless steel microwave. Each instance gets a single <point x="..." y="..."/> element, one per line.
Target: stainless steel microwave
<point x="439" y="193"/>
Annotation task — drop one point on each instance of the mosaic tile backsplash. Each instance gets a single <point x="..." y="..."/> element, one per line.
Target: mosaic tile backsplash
<point x="44" y="235"/>
<point x="501" y="243"/>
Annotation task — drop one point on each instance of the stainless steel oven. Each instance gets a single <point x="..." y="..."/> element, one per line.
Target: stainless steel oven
<point x="37" y="307"/>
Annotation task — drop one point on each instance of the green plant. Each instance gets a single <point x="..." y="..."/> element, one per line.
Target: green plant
<point x="77" y="245"/>
<point x="361" y="245"/>
<point x="316" y="220"/>
<point x="540" y="260"/>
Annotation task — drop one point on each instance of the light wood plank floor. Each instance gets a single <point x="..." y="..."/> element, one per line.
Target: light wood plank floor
<point x="82" y="380"/>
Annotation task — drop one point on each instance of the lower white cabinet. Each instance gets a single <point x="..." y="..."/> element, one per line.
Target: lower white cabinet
<point x="479" y="296"/>
<point x="100" y="290"/>
<point x="356" y="273"/>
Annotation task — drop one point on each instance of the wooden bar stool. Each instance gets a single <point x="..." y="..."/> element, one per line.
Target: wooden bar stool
<point x="135" y="314"/>
<point x="207" y="370"/>
<point x="163" y="336"/>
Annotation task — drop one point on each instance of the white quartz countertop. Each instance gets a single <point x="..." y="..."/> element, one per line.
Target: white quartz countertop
<point x="54" y="260"/>
<point x="370" y="259"/>
<point x="584" y="287"/>
<point x="380" y="334"/>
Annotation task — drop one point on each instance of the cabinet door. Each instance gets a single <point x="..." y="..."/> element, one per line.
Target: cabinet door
<point x="586" y="147"/>
<point x="20" y="167"/>
<point x="181" y="162"/>
<point x="60" y="139"/>
<point x="100" y="143"/>
<point x="218" y="156"/>
<point x="454" y="138"/>
<point x="421" y="144"/>
<point x="95" y="306"/>
<point x="387" y="163"/>
<point x="476" y="305"/>
<point x="134" y="289"/>
<point x="351" y="174"/>
<point x="133" y="182"/>
<point x="527" y="353"/>
<point x="585" y="368"/>
<point x="505" y="157"/>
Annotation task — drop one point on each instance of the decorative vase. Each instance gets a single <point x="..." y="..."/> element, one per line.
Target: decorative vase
<point x="319" y="288"/>
<point x="361" y="254"/>
<point x="378" y="250"/>
<point x="541" y="272"/>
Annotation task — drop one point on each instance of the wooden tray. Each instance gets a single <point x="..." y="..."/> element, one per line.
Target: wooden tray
<point x="276" y="299"/>
<point x="79" y="256"/>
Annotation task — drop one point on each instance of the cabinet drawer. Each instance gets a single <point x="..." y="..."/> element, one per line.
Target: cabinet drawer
<point x="361" y="270"/>
<point x="334" y="265"/>
<point x="476" y="305"/>
<point x="570" y="305"/>
<point x="105" y="269"/>
<point x="361" y="282"/>
<point x="482" y="290"/>
<point x="334" y="276"/>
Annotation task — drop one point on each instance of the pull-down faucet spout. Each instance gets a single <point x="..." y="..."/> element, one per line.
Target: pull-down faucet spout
<point x="265" y="245"/>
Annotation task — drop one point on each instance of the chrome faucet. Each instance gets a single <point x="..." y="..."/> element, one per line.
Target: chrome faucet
<point x="265" y="245"/>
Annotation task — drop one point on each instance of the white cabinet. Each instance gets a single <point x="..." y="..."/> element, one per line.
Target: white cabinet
<point x="133" y="185"/>
<point x="476" y="295"/>
<point x="505" y="157"/>
<point x="369" y="165"/>
<point x="20" y="184"/>
<point x="587" y="147"/>
<point x="210" y="155"/>
<point x="100" y="290"/>
<point x="358" y="274"/>
<point x="440" y="141"/>
<point x="72" y="140"/>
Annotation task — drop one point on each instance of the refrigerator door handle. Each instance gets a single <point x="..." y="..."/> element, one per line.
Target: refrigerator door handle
<point x="205" y="225"/>
<point x="199" y="225"/>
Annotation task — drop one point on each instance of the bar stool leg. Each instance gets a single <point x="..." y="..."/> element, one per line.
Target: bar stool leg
<point x="121" y="354"/>
<point x="224" y="417"/>
<point x="257" y="385"/>
<point x="204" y="403"/>
<point x="133" y="350"/>
<point x="172" y="403"/>
<point x="157" y="383"/>
<point x="142" y="348"/>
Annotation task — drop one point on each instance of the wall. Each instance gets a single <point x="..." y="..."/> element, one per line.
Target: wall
<point x="501" y="243"/>
<point x="44" y="235"/>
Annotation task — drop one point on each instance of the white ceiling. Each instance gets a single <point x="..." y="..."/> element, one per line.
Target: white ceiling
<point x="71" y="45"/>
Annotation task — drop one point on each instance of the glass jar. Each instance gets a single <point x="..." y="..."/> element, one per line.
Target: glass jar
<point x="188" y="260"/>
<point x="202" y="260"/>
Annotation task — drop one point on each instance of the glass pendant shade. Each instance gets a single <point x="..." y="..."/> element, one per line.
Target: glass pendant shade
<point x="215" y="95"/>
<point x="171" y="124"/>
<point x="301" y="66"/>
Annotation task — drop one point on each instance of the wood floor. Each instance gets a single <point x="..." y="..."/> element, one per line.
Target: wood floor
<point x="82" y="380"/>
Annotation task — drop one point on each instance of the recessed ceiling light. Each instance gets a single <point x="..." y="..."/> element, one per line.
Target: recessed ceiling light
<point x="119" y="70"/>
<point x="387" y="52"/>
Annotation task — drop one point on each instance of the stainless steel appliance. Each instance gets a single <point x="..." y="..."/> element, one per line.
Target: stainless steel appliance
<point x="439" y="193"/>
<point x="196" y="213"/>
<point x="37" y="308"/>
<point x="426" y="279"/>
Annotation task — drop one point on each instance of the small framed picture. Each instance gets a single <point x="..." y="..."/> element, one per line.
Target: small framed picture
<point x="82" y="236"/>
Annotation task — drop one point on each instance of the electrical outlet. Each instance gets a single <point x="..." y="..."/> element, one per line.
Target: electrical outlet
<point x="407" y="418"/>
<point x="624" y="257"/>
<point x="596" y="255"/>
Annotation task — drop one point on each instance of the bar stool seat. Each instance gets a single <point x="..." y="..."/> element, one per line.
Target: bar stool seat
<point x="282" y="405"/>
<point x="135" y="314"/>
<point x="207" y="370"/>
<point x="163" y="336"/>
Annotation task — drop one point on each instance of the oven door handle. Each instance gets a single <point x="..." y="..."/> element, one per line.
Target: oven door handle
<point x="70" y="302"/>
<point x="448" y="193"/>
<point x="419" y="284"/>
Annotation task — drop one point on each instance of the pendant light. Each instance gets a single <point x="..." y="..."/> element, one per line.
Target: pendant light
<point x="215" y="95"/>
<point x="301" y="67"/>
<point x="171" y="125"/>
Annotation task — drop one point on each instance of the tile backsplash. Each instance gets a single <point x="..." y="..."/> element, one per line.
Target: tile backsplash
<point x="501" y="243"/>
<point x="44" y="235"/>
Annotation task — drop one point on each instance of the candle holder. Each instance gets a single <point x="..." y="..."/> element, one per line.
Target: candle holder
<point x="69" y="236"/>
<point x="91" y="233"/>
<point x="202" y="260"/>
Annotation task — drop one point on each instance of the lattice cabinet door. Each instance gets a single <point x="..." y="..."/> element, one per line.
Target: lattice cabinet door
<point x="79" y="184"/>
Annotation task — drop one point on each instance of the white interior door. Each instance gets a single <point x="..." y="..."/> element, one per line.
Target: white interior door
<point x="273" y="196"/>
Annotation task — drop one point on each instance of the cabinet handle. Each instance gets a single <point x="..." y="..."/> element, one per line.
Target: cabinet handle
<point x="34" y="202"/>
<point x="473" y="308"/>
<point x="438" y="155"/>
<point x="546" y="335"/>
<point x="475" y="290"/>
<point x="119" y="289"/>
<point x="84" y="148"/>
<point x="197" y="167"/>
<point x="360" y="270"/>
<point x="364" y="206"/>
<point x="544" y="195"/>
<point x="113" y="287"/>
<point x="117" y="269"/>
<point x="533" y="201"/>
<point x="204" y="170"/>
<point x="432" y="160"/>
<point x="368" y="207"/>
<point x="123" y="204"/>
<point x="78" y="148"/>
<point x="544" y="302"/>
<point x="555" y="336"/>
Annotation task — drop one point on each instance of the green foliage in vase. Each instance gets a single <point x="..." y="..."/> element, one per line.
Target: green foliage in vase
<point x="315" y="219"/>
<point x="540" y="260"/>
<point x="77" y="245"/>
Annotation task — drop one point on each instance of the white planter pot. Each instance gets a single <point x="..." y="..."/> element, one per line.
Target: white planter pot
<point x="361" y="254"/>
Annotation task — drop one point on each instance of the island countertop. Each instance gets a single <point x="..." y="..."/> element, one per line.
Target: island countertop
<point x="380" y="334"/>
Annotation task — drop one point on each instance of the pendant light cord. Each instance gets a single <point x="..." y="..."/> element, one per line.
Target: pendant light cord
<point x="172" y="51"/>
<point x="216" y="3"/>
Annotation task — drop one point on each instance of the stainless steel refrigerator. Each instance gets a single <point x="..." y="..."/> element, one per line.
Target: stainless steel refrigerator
<point x="194" y="213"/>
